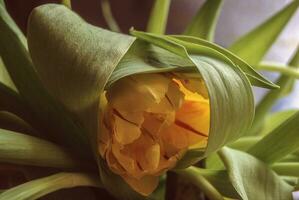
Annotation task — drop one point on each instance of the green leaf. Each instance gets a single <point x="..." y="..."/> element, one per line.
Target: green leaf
<point x="274" y="120"/>
<point x="158" y="18"/>
<point x="218" y="178"/>
<point x="280" y="142"/>
<point x="40" y="187"/>
<point x="56" y="123"/>
<point x="9" y="121"/>
<point x="225" y="83"/>
<point x="5" y="78"/>
<point x="107" y="13"/>
<point x="286" y="168"/>
<point x="286" y="83"/>
<point x="23" y="149"/>
<point x="254" y="45"/>
<point x="176" y="44"/>
<point x="203" y="25"/>
<point x="252" y="179"/>
<point x="67" y="3"/>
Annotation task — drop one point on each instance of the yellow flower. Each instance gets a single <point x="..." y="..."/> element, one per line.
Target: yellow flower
<point x="147" y="123"/>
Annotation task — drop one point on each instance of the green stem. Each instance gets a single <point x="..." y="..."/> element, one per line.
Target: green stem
<point x="200" y="181"/>
<point x="286" y="168"/>
<point x="285" y="70"/>
<point x="158" y="17"/>
<point x="40" y="187"/>
<point x="107" y="13"/>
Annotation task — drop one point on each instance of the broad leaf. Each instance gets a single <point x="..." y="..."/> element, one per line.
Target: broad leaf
<point x="40" y="187"/>
<point x="225" y="83"/>
<point x="203" y="25"/>
<point x="23" y="149"/>
<point x="252" y="179"/>
<point x="50" y="115"/>
<point x="280" y="142"/>
<point x="254" y="45"/>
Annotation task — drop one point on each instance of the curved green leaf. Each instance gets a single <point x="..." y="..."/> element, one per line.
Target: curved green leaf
<point x="37" y="188"/>
<point x="252" y="179"/>
<point x="254" y="45"/>
<point x="280" y="142"/>
<point x="255" y="77"/>
<point x="5" y="78"/>
<point x="23" y="149"/>
<point x="226" y="85"/>
<point x="203" y="25"/>
<point x="50" y="115"/>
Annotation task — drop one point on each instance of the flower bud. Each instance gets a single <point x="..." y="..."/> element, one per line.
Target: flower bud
<point x="148" y="122"/>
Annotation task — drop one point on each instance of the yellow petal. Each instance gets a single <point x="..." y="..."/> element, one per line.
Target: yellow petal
<point x="195" y="114"/>
<point x="125" y="132"/>
<point x="145" y="186"/>
<point x="124" y="160"/>
<point x="174" y="95"/>
<point x="138" y="92"/>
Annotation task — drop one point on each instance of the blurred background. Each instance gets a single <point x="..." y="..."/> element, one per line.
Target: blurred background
<point x="237" y="17"/>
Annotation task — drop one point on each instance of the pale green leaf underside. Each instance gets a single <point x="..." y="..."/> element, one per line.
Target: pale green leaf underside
<point x="37" y="188"/>
<point x="4" y="76"/>
<point x="280" y="142"/>
<point x="252" y="179"/>
<point x="23" y="149"/>
<point x="203" y="24"/>
<point x="226" y="84"/>
<point x="253" y="46"/>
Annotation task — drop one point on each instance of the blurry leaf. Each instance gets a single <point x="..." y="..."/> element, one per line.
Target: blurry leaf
<point x="107" y="13"/>
<point x="5" y="78"/>
<point x="23" y="149"/>
<point x="282" y="69"/>
<point x="225" y="83"/>
<point x="280" y="142"/>
<point x="51" y="116"/>
<point x="67" y="3"/>
<point x="218" y="178"/>
<point x="204" y="23"/>
<point x="9" y="121"/>
<point x="40" y="187"/>
<point x="254" y="45"/>
<point x="252" y="179"/>
<point x="213" y="161"/>
<point x="192" y="175"/>
<point x="274" y="120"/>
<point x="158" y="18"/>
<point x="286" y="83"/>
<point x="286" y="168"/>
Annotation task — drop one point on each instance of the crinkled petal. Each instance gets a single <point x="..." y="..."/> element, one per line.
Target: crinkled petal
<point x="125" y="132"/>
<point x="195" y="114"/>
